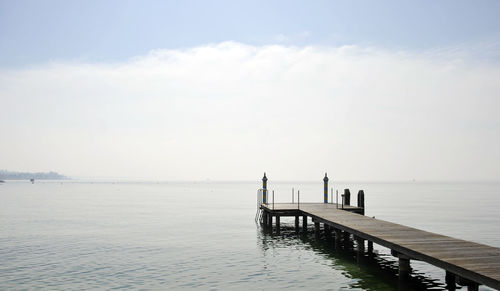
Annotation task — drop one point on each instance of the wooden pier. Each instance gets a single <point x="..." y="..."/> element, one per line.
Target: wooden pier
<point x="466" y="263"/>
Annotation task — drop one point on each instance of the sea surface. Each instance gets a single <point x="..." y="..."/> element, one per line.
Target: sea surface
<point x="106" y="234"/>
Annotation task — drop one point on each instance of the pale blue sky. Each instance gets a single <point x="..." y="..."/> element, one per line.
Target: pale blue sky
<point x="96" y="31"/>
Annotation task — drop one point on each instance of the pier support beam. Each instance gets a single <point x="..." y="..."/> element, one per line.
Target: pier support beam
<point x="270" y="221"/>
<point x="360" y="245"/>
<point x="370" y="247"/>
<point x="328" y="231"/>
<point x="450" y="279"/>
<point x="264" y="219"/>
<point x="404" y="266"/>
<point x="277" y="224"/>
<point x="347" y="241"/>
<point x="304" y="223"/>
<point x="338" y="234"/>
<point x="471" y="285"/>
<point x="360" y="249"/>
<point x="316" y="228"/>
<point x="296" y="223"/>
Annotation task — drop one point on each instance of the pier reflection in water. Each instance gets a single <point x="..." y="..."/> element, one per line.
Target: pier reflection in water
<point x="376" y="271"/>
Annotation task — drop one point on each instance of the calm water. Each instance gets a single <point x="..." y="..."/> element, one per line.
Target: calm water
<point x="138" y="235"/>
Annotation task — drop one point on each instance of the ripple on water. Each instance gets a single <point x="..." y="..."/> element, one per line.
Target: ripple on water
<point x="183" y="236"/>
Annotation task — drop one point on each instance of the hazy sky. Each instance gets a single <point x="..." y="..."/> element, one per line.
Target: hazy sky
<point x="190" y="90"/>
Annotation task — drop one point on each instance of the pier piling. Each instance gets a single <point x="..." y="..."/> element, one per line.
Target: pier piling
<point x="404" y="266"/>
<point x="328" y="231"/>
<point x="360" y="245"/>
<point x="450" y="280"/>
<point x="471" y="285"/>
<point x="370" y="247"/>
<point x="338" y="234"/>
<point x="316" y="228"/>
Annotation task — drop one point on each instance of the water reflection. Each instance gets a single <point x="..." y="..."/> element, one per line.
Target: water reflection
<point x="376" y="271"/>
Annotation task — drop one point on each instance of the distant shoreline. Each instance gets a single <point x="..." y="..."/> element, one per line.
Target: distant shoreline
<point x="11" y="175"/>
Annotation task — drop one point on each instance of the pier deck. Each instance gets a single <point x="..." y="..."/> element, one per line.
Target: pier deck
<point x="466" y="261"/>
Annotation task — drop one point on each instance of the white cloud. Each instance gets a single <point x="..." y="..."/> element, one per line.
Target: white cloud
<point x="231" y="111"/>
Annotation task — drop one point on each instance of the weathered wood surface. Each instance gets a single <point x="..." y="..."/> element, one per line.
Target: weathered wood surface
<point x="476" y="262"/>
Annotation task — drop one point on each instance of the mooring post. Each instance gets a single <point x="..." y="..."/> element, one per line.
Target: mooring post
<point x="264" y="189"/>
<point x="404" y="266"/>
<point x="325" y="189"/>
<point x="304" y="223"/>
<point x="347" y="197"/>
<point x="361" y="200"/>
<point x="296" y="223"/>
<point x="277" y="224"/>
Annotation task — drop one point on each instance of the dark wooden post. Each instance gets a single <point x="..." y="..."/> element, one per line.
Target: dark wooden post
<point x="347" y="197"/>
<point x="450" y="279"/>
<point x="347" y="240"/>
<point x="471" y="285"/>
<point x="361" y="200"/>
<point x="325" y="189"/>
<point x="270" y="221"/>
<point x="338" y="234"/>
<point x="277" y="224"/>
<point x="304" y="223"/>
<point x="360" y="249"/>
<point x="328" y="231"/>
<point x="370" y="247"/>
<point x="296" y="223"/>
<point x="404" y="266"/>
<point x="360" y="245"/>
<point x="316" y="228"/>
<point x="264" y="189"/>
<point x="264" y="218"/>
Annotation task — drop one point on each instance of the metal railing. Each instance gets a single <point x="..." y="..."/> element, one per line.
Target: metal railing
<point x="264" y="193"/>
<point x="260" y="201"/>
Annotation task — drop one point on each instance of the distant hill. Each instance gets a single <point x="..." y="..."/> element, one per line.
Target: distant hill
<point x="8" y="175"/>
